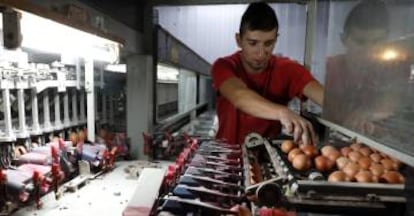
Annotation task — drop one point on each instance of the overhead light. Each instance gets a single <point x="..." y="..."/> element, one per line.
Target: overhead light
<point x="167" y="73"/>
<point x="52" y="37"/>
<point x="117" y="68"/>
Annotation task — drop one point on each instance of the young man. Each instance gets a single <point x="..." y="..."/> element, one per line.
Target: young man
<point x="254" y="86"/>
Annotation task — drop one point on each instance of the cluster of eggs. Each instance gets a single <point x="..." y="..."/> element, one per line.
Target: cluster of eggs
<point x="78" y="137"/>
<point x="354" y="163"/>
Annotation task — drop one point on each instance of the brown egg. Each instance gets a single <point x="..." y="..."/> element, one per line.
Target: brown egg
<point x="384" y="155"/>
<point x="356" y="146"/>
<point x="376" y="157"/>
<point x="81" y="136"/>
<point x="366" y="151"/>
<point x="292" y="154"/>
<point x="337" y="176"/>
<point x="301" y="162"/>
<point x="74" y="138"/>
<point x="376" y="169"/>
<point x="397" y="164"/>
<point x="102" y="132"/>
<point x="364" y="176"/>
<point x="287" y="145"/>
<point x="327" y="149"/>
<point x="345" y="151"/>
<point x="322" y="163"/>
<point x="364" y="162"/>
<point x="392" y="177"/>
<point x="351" y="169"/>
<point x="309" y="150"/>
<point x="341" y="162"/>
<point x="354" y="156"/>
<point x="330" y="164"/>
<point x="333" y="155"/>
<point x="388" y="164"/>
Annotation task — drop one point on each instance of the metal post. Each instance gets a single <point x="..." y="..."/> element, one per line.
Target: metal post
<point x="95" y="98"/>
<point x="82" y="107"/>
<point x="22" y="115"/>
<point x="58" y="122"/>
<point x="66" y="120"/>
<point x="78" y="73"/>
<point x="75" y="106"/>
<point x="35" y="114"/>
<point x="47" y="126"/>
<point x="90" y="98"/>
<point x="8" y="130"/>
<point x="104" y="114"/>
<point x="111" y="111"/>
<point x="101" y="86"/>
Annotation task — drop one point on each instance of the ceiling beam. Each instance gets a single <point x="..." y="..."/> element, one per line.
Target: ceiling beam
<point x="210" y="2"/>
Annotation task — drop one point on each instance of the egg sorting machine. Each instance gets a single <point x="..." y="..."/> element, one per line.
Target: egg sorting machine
<point x="209" y="177"/>
<point x="48" y="89"/>
<point x="307" y="187"/>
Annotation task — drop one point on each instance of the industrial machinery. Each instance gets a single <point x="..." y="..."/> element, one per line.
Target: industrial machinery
<point x="52" y="99"/>
<point x="210" y="177"/>
<point x="305" y="184"/>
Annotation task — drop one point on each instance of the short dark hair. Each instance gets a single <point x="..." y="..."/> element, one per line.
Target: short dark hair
<point x="368" y="14"/>
<point x="258" y="16"/>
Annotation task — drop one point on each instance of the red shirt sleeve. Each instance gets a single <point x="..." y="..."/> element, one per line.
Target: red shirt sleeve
<point x="220" y="72"/>
<point x="299" y="78"/>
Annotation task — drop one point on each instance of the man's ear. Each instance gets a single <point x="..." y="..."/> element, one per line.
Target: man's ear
<point x="238" y="39"/>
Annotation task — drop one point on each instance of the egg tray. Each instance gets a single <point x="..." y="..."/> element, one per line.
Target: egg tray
<point x="320" y="186"/>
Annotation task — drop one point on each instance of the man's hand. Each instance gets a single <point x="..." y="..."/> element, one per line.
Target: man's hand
<point x="242" y="210"/>
<point x="301" y="128"/>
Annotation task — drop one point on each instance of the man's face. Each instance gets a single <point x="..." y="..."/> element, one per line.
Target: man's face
<point x="361" y="43"/>
<point x="256" y="48"/>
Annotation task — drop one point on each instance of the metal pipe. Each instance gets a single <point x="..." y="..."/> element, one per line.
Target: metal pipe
<point x="75" y="106"/>
<point x="58" y="122"/>
<point x="7" y="113"/>
<point x="66" y="120"/>
<point x="104" y="108"/>
<point x="90" y="98"/>
<point x="95" y="99"/>
<point x="22" y="116"/>
<point x="35" y="113"/>
<point x="46" y="112"/>
<point x="82" y="107"/>
<point x="111" y="111"/>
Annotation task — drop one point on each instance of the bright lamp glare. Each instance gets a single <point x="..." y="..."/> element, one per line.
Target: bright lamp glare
<point x="389" y="55"/>
<point x="52" y="37"/>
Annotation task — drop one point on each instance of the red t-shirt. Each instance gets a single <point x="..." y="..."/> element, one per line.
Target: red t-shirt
<point x="282" y="80"/>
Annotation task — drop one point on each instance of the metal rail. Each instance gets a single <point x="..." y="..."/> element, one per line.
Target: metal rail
<point x="163" y="124"/>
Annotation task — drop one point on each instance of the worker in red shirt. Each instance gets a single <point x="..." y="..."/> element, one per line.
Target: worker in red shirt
<point x="254" y="86"/>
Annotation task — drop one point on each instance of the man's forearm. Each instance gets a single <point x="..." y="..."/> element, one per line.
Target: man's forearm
<point x="315" y="92"/>
<point x="253" y="104"/>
